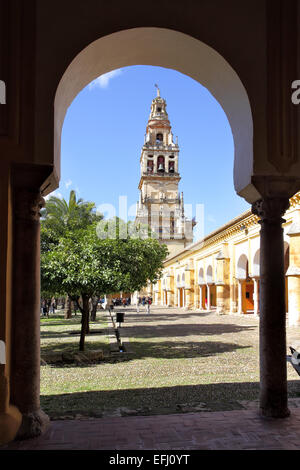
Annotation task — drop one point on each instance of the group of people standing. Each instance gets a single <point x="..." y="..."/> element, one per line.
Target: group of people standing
<point x="125" y="301"/>
<point x="48" y="307"/>
<point x="145" y="301"/>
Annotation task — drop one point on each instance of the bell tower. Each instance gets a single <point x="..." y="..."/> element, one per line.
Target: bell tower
<point x="160" y="205"/>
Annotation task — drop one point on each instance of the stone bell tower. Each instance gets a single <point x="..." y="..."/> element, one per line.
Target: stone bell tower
<point x="160" y="205"/>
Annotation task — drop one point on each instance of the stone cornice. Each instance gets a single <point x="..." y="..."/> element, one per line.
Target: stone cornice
<point x="159" y="178"/>
<point x="243" y="221"/>
<point x="28" y="205"/>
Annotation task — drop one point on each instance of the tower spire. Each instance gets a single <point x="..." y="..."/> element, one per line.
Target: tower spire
<point x="160" y="205"/>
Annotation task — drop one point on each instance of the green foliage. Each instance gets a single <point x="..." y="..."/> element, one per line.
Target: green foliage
<point x="117" y="228"/>
<point x="60" y="216"/>
<point x="84" y="264"/>
<point x="81" y="254"/>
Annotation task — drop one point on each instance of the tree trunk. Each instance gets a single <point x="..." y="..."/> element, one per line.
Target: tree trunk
<point x="68" y="313"/>
<point x="88" y="319"/>
<point x="95" y="301"/>
<point x="84" y="322"/>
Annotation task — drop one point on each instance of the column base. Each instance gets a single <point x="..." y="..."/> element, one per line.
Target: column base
<point x="33" y="424"/>
<point x="222" y="311"/>
<point x="273" y="412"/>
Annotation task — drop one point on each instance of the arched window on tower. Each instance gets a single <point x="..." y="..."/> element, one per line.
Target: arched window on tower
<point x="159" y="138"/>
<point x="161" y="164"/>
<point x="149" y="166"/>
<point x="171" y="167"/>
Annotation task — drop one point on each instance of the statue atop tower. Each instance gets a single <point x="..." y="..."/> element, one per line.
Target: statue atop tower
<point x="160" y="205"/>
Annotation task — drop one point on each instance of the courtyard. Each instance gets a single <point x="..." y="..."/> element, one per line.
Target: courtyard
<point x="174" y="361"/>
<point x="187" y="380"/>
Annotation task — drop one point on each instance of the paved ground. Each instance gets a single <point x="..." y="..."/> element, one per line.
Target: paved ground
<point x="234" y="430"/>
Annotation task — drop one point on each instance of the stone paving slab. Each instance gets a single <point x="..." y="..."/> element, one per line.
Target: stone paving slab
<point x="232" y="430"/>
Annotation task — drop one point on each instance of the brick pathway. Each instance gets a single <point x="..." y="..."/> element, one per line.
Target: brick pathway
<point x="235" y="430"/>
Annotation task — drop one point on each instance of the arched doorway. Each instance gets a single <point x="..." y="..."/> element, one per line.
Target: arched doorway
<point x="245" y="286"/>
<point x="182" y="291"/>
<point x="256" y="281"/>
<point x="210" y="297"/>
<point x="201" y="289"/>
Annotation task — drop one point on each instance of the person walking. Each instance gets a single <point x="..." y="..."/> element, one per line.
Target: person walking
<point x="148" y="304"/>
<point x="138" y="301"/>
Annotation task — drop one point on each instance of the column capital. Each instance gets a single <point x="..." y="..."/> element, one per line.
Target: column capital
<point x="28" y="205"/>
<point x="271" y="209"/>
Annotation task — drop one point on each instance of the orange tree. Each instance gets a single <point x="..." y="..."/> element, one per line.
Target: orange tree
<point x="84" y="265"/>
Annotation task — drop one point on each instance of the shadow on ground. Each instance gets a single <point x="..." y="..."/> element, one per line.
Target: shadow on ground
<point x="158" y="349"/>
<point x="152" y="401"/>
<point x="178" y="329"/>
<point x="147" y="401"/>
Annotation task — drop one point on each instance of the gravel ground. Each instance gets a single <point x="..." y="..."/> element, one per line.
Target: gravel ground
<point x="175" y="361"/>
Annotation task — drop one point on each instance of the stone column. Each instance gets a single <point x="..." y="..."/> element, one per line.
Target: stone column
<point x="208" y="297"/>
<point x="187" y="303"/>
<point x="169" y="298"/>
<point x="200" y="297"/>
<point x="273" y="369"/>
<point x="240" y="296"/>
<point x="155" y="164"/>
<point x="222" y="284"/>
<point x="176" y="163"/>
<point x="196" y="297"/>
<point x="256" y="296"/>
<point x="25" y="382"/>
<point x="167" y="164"/>
<point x="175" y="296"/>
<point x="220" y="289"/>
<point x="233" y="303"/>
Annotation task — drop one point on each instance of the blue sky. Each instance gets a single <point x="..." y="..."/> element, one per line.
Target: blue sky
<point x="104" y="131"/>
